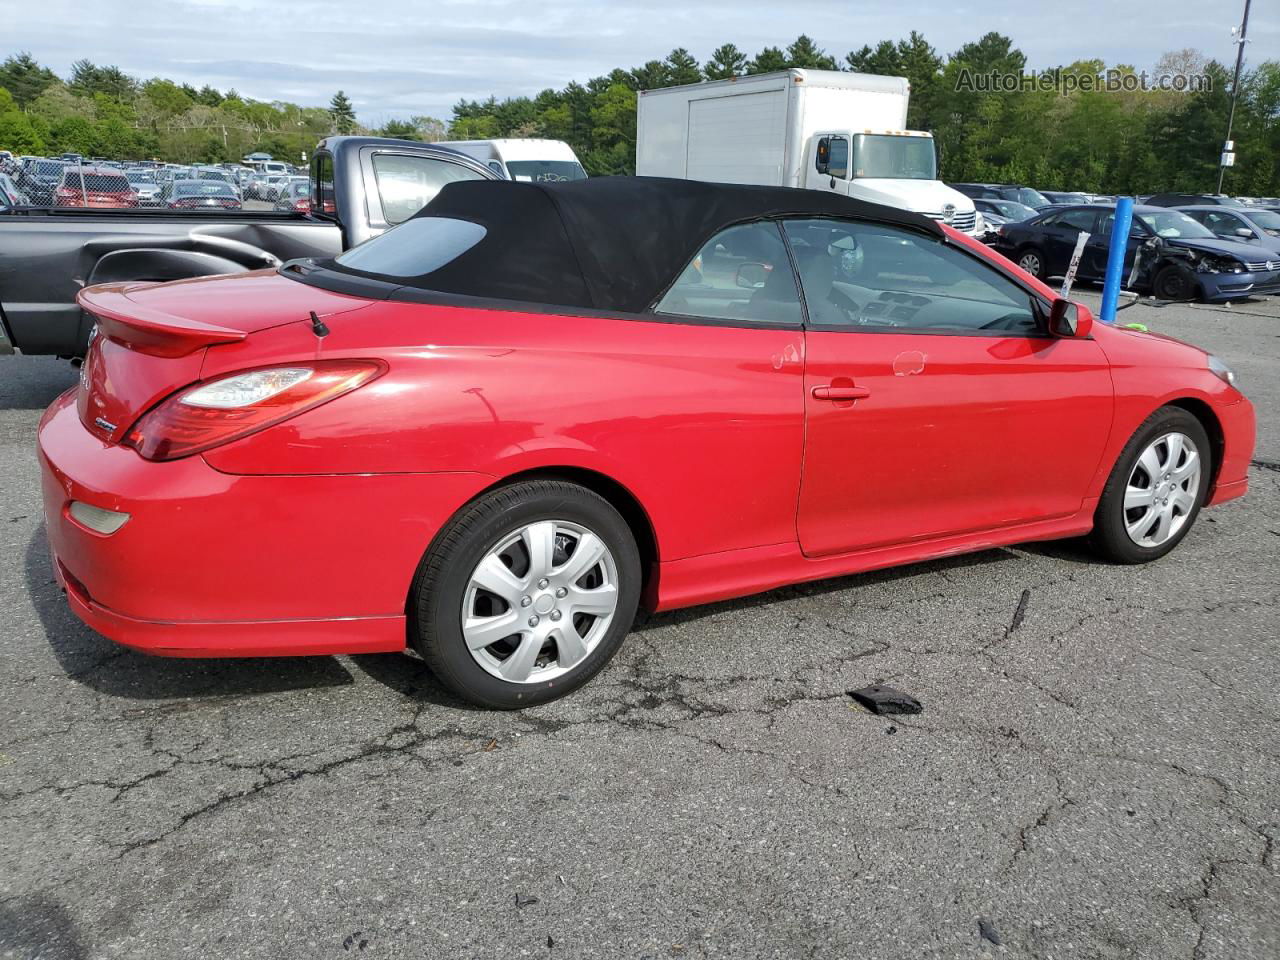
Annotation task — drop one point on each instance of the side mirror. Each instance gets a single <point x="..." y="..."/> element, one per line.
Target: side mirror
<point x="1069" y="320"/>
<point x="822" y="156"/>
<point x="1244" y="232"/>
<point x="751" y="276"/>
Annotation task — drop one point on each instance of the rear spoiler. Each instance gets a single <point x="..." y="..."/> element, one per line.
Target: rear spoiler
<point x="148" y="331"/>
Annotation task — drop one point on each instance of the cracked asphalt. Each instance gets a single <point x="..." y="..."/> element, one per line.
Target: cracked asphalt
<point x="1095" y="777"/>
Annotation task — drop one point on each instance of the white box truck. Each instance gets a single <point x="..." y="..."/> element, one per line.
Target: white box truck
<point x="519" y="158"/>
<point x="820" y="129"/>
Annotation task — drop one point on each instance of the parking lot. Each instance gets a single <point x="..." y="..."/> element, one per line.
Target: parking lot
<point x="1095" y="774"/>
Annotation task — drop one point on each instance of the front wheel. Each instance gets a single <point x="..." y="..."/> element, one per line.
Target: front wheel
<point x="1175" y="282"/>
<point x="1155" y="490"/>
<point x="526" y="595"/>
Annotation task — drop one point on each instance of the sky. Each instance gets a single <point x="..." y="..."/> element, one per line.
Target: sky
<point x="397" y="58"/>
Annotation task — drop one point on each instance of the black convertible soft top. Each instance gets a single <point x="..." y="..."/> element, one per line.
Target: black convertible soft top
<point x="609" y="243"/>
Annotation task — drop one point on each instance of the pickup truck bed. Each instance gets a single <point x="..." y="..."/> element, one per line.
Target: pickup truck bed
<point x="361" y="185"/>
<point x="46" y="256"/>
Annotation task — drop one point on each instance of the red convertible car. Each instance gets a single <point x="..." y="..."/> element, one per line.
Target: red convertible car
<point x="496" y="431"/>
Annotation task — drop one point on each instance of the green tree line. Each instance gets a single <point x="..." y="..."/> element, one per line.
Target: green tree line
<point x="1112" y="142"/>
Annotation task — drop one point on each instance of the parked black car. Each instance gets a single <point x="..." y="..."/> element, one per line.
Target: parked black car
<point x="1002" y="191"/>
<point x="1180" y="258"/>
<point x="1190" y="200"/>
<point x="1059" y="197"/>
<point x="39" y="179"/>
<point x="360" y="186"/>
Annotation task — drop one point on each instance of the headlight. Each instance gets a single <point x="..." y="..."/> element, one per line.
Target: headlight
<point x="1219" y="265"/>
<point x="1221" y="370"/>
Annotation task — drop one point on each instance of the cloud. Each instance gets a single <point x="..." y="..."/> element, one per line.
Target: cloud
<point x="399" y="57"/>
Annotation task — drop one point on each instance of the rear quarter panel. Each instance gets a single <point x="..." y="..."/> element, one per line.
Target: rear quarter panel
<point x="702" y="424"/>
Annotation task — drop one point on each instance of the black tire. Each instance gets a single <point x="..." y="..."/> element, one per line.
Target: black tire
<point x="1109" y="537"/>
<point x="436" y="597"/>
<point x="1031" y="260"/>
<point x="1175" y="282"/>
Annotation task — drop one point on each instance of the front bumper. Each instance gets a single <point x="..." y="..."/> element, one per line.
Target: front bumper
<point x="1239" y="428"/>
<point x="212" y="564"/>
<point x="1221" y="287"/>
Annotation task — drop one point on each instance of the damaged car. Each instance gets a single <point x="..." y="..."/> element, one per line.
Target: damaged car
<point x="1169" y="255"/>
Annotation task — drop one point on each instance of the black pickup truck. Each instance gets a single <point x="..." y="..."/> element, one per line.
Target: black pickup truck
<point x="360" y="186"/>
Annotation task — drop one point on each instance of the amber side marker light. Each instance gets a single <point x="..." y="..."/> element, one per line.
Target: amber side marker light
<point x="215" y="412"/>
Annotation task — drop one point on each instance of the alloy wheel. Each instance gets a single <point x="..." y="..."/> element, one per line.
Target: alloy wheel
<point x="540" y="601"/>
<point x="1162" y="490"/>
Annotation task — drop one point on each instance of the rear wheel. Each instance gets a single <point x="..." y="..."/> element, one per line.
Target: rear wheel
<point x="527" y="594"/>
<point x="1032" y="261"/>
<point x="1155" y="490"/>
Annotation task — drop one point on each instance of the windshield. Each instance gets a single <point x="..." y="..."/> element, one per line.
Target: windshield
<point x="1173" y="225"/>
<point x="48" y="168"/>
<point x="1032" y="198"/>
<point x="894" y="158"/>
<point x="545" y="171"/>
<point x="206" y="188"/>
<point x="140" y="176"/>
<point x="1267" y="220"/>
<point x="1012" y="209"/>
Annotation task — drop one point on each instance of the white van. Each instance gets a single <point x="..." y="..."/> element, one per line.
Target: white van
<point x="818" y="129"/>
<point x="520" y="159"/>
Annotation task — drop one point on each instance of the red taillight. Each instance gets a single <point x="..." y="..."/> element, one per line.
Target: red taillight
<point x="215" y="412"/>
<point x="302" y="206"/>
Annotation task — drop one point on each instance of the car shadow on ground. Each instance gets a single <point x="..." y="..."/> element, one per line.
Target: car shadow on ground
<point x="108" y="668"/>
<point x="111" y="669"/>
<point x="32" y="383"/>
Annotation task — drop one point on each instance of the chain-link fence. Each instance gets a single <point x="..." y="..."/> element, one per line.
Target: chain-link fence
<point x="72" y="180"/>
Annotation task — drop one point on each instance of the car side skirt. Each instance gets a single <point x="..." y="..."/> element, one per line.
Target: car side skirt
<point x="736" y="573"/>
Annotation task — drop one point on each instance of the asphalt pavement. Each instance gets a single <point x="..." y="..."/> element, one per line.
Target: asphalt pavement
<point x="1095" y="774"/>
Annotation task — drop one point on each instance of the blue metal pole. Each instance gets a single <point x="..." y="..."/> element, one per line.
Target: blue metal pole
<point x="1115" y="258"/>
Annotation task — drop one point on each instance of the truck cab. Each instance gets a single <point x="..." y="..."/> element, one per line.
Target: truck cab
<point x="898" y="168"/>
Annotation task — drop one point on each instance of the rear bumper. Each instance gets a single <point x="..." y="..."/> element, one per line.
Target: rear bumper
<point x="211" y="564"/>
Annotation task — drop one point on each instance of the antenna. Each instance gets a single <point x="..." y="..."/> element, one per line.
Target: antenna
<point x="317" y="326"/>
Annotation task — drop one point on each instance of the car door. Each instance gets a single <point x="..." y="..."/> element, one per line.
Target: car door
<point x="1093" y="265"/>
<point x="935" y="403"/>
<point x="1061" y="230"/>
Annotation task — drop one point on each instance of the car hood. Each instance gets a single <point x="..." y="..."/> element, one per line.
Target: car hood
<point x="922" y="196"/>
<point x="1223" y="248"/>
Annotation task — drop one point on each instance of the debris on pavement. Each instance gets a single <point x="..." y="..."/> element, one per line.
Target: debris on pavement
<point x="1019" y="612"/>
<point x="523" y="901"/>
<point x="988" y="931"/>
<point x="886" y="700"/>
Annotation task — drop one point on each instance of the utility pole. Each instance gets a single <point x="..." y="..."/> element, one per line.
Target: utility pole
<point x="1227" y="145"/>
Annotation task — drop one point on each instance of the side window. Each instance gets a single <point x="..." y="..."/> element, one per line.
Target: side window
<point x="872" y="278"/>
<point x="742" y="274"/>
<point x="408" y="183"/>
<point x="1222" y="223"/>
<point x="1077" y="220"/>
<point x="322" y="198"/>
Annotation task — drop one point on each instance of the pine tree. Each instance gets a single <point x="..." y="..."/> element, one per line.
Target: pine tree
<point x="342" y="113"/>
<point x="682" y="67"/>
<point x="24" y="78"/>
<point x="767" y="61"/>
<point x="726" y="61"/>
<point x="806" y="54"/>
